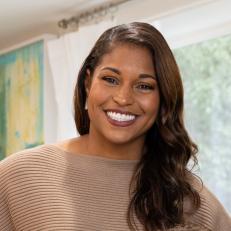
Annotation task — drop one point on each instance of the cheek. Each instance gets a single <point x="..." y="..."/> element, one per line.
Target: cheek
<point x="97" y="95"/>
<point x="151" y="104"/>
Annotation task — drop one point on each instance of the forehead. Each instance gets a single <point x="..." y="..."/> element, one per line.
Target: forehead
<point x="128" y="56"/>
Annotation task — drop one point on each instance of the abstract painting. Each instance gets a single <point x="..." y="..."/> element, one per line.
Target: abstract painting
<point x="21" y="98"/>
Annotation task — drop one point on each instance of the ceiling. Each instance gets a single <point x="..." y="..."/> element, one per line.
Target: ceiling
<point x="22" y="19"/>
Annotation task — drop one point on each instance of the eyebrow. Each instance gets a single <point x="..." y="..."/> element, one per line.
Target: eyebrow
<point x="118" y="72"/>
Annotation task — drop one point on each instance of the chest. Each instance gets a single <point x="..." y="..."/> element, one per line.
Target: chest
<point x="45" y="201"/>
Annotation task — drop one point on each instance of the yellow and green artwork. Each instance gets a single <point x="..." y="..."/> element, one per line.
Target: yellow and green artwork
<point x="21" y="99"/>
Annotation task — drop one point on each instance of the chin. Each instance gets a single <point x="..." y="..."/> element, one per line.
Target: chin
<point x="122" y="139"/>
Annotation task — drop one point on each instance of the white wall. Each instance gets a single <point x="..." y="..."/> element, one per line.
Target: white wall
<point x="196" y="24"/>
<point x="148" y="10"/>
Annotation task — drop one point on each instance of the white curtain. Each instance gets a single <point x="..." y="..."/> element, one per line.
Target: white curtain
<point x="66" y="55"/>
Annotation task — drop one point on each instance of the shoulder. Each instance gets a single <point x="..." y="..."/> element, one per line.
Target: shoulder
<point x="211" y="213"/>
<point x="32" y="170"/>
<point x="30" y="160"/>
<point x="39" y="152"/>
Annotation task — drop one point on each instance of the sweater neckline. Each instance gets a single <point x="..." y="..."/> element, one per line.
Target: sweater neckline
<point x="96" y="158"/>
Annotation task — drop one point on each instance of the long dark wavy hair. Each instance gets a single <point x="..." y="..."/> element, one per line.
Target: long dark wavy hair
<point x="160" y="182"/>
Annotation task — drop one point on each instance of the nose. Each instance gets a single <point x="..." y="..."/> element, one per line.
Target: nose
<point x="123" y="96"/>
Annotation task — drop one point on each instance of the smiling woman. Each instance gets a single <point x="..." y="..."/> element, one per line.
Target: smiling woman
<point x="128" y="169"/>
<point x="123" y="102"/>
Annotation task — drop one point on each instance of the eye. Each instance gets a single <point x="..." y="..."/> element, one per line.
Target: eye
<point x="145" y="87"/>
<point x="110" y="80"/>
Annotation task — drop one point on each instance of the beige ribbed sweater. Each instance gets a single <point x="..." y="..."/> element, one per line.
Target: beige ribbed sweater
<point x="46" y="188"/>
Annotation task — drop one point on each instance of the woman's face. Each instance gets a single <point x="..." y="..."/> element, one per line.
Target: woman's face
<point x="122" y="95"/>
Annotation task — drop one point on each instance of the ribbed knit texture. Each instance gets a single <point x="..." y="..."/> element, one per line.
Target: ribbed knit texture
<point x="46" y="188"/>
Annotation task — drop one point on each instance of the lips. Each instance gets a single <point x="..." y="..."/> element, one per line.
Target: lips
<point x="119" y="118"/>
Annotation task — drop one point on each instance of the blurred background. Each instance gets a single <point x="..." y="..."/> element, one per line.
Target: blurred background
<point x="43" y="44"/>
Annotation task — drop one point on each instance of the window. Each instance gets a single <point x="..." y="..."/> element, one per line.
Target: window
<point x="206" y="73"/>
<point x="200" y="37"/>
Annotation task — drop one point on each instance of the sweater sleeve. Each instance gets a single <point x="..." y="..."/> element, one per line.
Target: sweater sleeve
<point x="6" y="223"/>
<point x="220" y="219"/>
<point x="211" y="213"/>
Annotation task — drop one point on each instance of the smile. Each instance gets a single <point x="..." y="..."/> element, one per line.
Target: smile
<point x="120" y="117"/>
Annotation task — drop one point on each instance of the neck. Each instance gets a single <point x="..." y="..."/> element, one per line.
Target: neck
<point x="127" y="151"/>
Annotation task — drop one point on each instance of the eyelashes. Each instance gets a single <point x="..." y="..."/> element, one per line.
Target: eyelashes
<point x="145" y="87"/>
<point x="110" y="80"/>
<point x="141" y="86"/>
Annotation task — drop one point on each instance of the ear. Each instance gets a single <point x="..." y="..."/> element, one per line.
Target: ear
<point x="87" y="82"/>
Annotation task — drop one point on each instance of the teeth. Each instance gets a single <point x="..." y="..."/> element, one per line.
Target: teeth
<point x="120" y="117"/>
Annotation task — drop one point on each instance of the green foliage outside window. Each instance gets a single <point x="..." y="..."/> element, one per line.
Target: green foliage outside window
<point x="206" y="73"/>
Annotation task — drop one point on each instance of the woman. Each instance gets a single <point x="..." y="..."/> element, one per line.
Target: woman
<point x="128" y="169"/>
